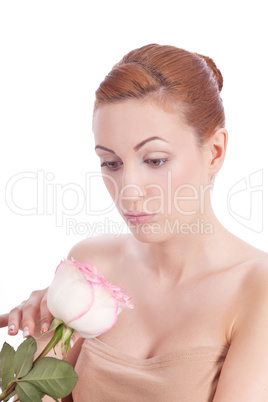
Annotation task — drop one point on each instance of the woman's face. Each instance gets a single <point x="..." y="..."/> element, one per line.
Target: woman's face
<point x="156" y="174"/>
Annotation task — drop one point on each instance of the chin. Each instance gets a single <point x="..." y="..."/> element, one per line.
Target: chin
<point x="149" y="233"/>
<point x="158" y="233"/>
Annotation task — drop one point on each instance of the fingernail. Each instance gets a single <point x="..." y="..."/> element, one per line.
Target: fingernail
<point x="11" y="329"/>
<point x="44" y="327"/>
<point x="71" y="343"/>
<point x="26" y="332"/>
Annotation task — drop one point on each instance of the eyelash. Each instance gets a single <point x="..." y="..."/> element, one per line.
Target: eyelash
<point x="106" y="164"/>
<point x="163" y="160"/>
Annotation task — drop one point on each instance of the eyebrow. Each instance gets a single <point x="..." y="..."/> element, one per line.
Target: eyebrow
<point x="136" y="148"/>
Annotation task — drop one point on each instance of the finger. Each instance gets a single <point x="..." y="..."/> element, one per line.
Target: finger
<point x="45" y="315"/>
<point x="14" y="319"/>
<point x="30" y="312"/>
<point x="29" y="316"/>
<point x="4" y="320"/>
<point x="74" y="339"/>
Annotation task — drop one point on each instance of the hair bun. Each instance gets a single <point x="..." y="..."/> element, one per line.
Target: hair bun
<point x="216" y="72"/>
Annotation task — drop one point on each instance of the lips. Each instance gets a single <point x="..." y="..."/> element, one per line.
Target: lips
<point x="138" y="218"/>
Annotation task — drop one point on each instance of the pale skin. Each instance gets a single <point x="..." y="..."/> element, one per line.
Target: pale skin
<point x="189" y="289"/>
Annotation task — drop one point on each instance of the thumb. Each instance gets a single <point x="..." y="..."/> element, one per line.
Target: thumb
<point x="45" y="315"/>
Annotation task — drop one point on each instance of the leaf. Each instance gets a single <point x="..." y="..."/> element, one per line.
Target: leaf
<point x="24" y="356"/>
<point x="6" y="365"/>
<point x="54" y="377"/>
<point x="27" y="392"/>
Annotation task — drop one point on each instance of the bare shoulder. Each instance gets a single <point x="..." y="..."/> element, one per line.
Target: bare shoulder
<point x="257" y="270"/>
<point x="253" y="295"/>
<point x="98" y="246"/>
<point x="250" y="263"/>
<point x="103" y="251"/>
<point x="253" y="269"/>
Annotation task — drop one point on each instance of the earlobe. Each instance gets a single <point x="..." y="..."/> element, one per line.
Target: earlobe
<point x="218" y="146"/>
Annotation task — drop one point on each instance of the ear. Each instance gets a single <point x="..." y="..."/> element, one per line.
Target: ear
<point x="217" y="147"/>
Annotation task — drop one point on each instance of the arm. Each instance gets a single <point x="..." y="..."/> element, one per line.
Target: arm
<point x="244" y="375"/>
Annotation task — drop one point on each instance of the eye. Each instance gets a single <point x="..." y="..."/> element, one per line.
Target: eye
<point x="111" y="165"/>
<point x="156" y="162"/>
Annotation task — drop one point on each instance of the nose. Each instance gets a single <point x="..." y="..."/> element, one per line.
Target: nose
<point x="132" y="185"/>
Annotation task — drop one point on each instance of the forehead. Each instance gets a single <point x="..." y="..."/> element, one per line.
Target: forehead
<point x="134" y="120"/>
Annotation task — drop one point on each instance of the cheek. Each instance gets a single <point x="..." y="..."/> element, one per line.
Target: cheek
<point x="111" y="185"/>
<point x="189" y="189"/>
<point x="178" y="189"/>
<point x="189" y="170"/>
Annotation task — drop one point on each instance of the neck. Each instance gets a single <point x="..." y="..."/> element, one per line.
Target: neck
<point x="187" y="253"/>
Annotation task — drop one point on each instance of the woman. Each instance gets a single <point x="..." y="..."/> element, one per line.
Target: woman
<point x="199" y="331"/>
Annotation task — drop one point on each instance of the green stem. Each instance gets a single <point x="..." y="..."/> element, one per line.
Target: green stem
<point x="8" y="391"/>
<point x="52" y="343"/>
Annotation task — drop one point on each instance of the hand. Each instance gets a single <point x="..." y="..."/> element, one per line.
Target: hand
<point x="26" y="314"/>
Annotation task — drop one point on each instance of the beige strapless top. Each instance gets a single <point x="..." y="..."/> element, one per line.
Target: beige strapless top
<point x="186" y="375"/>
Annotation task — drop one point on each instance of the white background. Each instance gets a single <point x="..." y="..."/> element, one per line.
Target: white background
<point x="53" y="56"/>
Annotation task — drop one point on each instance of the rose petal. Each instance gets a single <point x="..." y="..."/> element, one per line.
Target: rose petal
<point x="70" y="295"/>
<point x="101" y="316"/>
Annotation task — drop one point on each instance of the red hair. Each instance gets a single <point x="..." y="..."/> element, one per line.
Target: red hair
<point x="174" y="78"/>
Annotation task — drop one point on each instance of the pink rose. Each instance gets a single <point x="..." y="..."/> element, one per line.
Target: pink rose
<point x="81" y="298"/>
